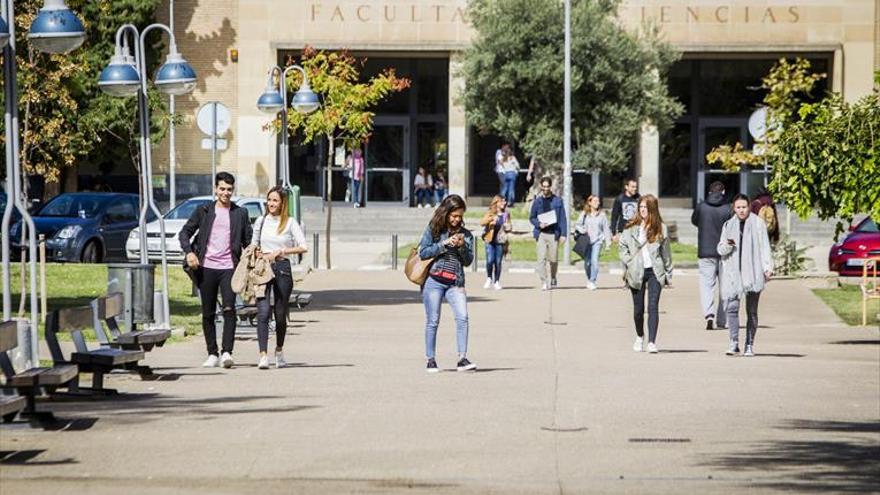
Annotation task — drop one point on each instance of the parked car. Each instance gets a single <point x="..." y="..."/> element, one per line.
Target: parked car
<point x="848" y="256"/>
<point x="87" y="227"/>
<point x="174" y="221"/>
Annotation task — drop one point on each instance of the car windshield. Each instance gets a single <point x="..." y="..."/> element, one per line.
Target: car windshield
<point x="185" y="210"/>
<point x="70" y="205"/>
<point x="868" y="225"/>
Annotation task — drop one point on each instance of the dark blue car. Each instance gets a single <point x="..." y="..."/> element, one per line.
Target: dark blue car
<point x="86" y="227"/>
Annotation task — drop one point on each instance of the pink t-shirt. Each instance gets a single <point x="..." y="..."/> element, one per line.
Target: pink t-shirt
<point x="219" y="253"/>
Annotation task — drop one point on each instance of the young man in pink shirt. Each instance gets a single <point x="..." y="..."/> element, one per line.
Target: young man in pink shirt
<point x="221" y="229"/>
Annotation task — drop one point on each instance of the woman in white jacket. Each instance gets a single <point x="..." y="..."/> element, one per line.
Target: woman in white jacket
<point x="747" y="263"/>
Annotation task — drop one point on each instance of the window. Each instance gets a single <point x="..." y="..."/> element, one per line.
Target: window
<point x="254" y="211"/>
<point x="121" y="211"/>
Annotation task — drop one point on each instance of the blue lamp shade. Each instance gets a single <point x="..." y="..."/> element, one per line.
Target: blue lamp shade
<point x="270" y="101"/>
<point x="119" y="78"/>
<point x="176" y="76"/>
<point x="4" y="33"/>
<point x="56" y="29"/>
<point x="305" y="100"/>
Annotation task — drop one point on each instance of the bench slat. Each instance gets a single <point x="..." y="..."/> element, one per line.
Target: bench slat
<point x="11" y="403"/>
<point x="58" y="375"/>
<point x="73" y="319"/>
<point x="144" y="337"/>
<point x="107" y="357"/>
<point x="27" y="378"/>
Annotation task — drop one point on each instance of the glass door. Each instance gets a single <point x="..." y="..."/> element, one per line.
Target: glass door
<point x="388" y="161"/>
<point x="714" y="132"/>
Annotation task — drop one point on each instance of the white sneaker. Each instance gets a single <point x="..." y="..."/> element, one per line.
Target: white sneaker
<point x="357" y="205"/>
<point x="212" y="362"/>
<point x="652" y="348"/>
<point x="264" y="362"/>
<point x="749" y="352"/>
<point x="637" y="345"/>
<point x="545" y="286"/>
<point x="279" y="360"/>
<point x="497" y="285"/>
<point x="226" y="360"/>
<point x="591" y="286"/>
<point x="487" y="283"/>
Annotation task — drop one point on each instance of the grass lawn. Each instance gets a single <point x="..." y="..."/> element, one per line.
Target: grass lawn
<point x="846" y="301"/>
<point x="77" y="284"/>
<point x="524" y="250"/>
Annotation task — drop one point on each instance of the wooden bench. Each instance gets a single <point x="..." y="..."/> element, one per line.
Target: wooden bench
<point x="106" y="310"/>
<point x="98" y="362"/>
<point x="870" y="285"/>
<point x="29" y="383"/>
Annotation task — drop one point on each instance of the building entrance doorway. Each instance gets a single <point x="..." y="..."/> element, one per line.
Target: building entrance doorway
<point x="387" y="159"/>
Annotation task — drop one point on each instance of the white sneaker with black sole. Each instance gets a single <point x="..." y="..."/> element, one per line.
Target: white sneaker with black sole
<point x="465" y="365"/>
<point x="732" y="348"/>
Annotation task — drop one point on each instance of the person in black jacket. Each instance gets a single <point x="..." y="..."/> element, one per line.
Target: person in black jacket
<point x="624" y="208"/>
<point x="221" y="229"/>
<point x="709" y="217"/>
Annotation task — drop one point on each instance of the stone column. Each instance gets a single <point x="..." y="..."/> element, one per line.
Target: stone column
<point x="648" y="160"/>
<point x="457" y="150"/>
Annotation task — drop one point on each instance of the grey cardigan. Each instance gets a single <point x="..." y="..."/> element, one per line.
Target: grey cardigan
<point x="757" y="257"/>
<point x="631" y="256"/>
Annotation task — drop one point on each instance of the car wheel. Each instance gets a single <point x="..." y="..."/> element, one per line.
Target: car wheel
<point x="91" y="253"/>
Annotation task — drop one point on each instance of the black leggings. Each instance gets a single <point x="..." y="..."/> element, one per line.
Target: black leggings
<point x="212" y="282"/>
<point x="653" y="288"/>
<point x="282" y="286"/>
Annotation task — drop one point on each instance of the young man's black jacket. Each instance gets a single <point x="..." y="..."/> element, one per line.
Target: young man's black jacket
<point x="202" y="220"/>
<point x="709" y="217"/>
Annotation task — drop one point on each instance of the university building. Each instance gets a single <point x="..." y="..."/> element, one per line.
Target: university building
<point x="727" y="45"/>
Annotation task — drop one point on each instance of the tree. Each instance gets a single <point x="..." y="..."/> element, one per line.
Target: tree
<point x="827" y="160"/>
<point x="513" y="76"/>
<point x="345" y="114"/>
<point x="64" y="116"/>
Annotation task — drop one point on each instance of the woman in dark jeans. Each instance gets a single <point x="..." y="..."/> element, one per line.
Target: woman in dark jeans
<point x="644" y="251"/>
<point x="280" y="239"/>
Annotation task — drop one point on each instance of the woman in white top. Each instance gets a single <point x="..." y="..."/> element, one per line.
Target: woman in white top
<point x="510" y="167"/>
<point x="278" y="238"/>
<point x="423" y="185"/>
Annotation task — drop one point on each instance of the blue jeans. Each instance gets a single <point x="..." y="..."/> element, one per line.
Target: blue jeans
<point x="432" y="295"/>
<point x="508" y="189"/>
<point x="439" y="194"/>
<point x="591" y="261"/>
<point x="494" y="255"/>
<point x="355" y="191"/>
<point x="423" y="196"/>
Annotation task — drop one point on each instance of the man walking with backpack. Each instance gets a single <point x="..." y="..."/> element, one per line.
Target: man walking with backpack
<point x="221" y="229"/>
<point x="709" y="217"/>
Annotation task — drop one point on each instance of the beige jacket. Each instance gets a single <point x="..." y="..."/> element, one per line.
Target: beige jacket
<point x="251" y="275"/>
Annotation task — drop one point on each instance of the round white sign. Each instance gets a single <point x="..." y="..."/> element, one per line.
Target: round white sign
<point x="206" y="115"/>
<point x="758" y="124"/>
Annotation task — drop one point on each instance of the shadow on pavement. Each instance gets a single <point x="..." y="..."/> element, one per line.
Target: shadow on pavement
<point x="350" y="299"/>
<point x="26" y="458"/>
<point x="844" y="463"/>
<point x="856" y="342"/>
<point x="761" y="354"/>
<point x="681" y="351"/>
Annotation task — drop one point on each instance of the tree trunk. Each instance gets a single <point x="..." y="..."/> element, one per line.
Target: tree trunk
<point x="331" y="153"/>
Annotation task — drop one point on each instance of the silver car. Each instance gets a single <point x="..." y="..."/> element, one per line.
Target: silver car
<point x="174" y="222"/>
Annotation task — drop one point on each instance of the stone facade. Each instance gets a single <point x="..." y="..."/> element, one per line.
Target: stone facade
<point x="210" y="30"/>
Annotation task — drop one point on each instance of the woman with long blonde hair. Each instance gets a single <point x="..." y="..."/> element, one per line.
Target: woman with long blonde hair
<point x="279" y="238"/>
<point x="496" y="226"/>
<point x="593" y="223"/>
<point x="647" y="259"/>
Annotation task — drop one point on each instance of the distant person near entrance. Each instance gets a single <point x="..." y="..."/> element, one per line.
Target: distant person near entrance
<point x="452" y="248"/>
<point x="709" y="217"/>
<point x="423" y="187"/>
<point x="550" y="227"/>
<point x="355" y="165"/>
<point x="510" y="171"/>
<point x="500" y="153"/>
<point x="221" y="229"/>
<point x="748" y="265"/>
<point x="440" y="187"/>
<point x="624" y="208"/>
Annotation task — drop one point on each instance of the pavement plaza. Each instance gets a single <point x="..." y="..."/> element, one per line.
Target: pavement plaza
<point x="566" y="408"/>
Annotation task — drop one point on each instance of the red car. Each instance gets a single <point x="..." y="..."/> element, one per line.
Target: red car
<point x="848" y="256"/>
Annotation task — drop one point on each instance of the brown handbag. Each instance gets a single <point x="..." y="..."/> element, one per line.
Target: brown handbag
<point x="415" y="268"/>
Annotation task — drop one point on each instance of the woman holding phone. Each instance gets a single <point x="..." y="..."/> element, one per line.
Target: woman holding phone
<point x="452" y="247"/>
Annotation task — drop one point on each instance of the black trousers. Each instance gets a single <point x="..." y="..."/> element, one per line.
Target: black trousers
<point x="281" y="286"/>
<point x="652" y="286"/>
<point x="212" y="283"/>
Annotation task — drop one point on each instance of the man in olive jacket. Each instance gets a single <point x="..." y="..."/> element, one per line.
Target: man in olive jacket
<point x="221" y="229"/>
<point x="709" y="217"/>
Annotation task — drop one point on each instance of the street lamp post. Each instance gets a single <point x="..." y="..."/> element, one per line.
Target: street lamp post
<point x="566" y="152"/>
<point x="274" y="100"/>
<point x="55" y="30"/>
<point x="126" y="76"/>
